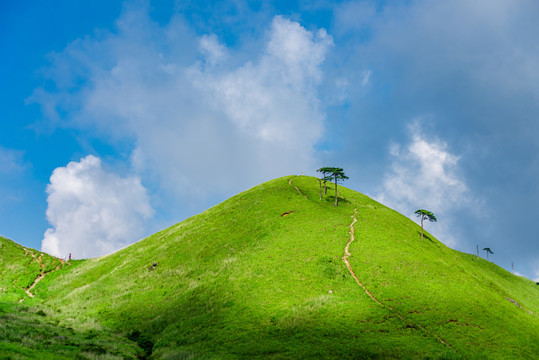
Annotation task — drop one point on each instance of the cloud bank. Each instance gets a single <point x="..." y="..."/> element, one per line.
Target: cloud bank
<point x="425" y="175"/>
<point x="201" y="119"/>
<point x="93" y="212"/>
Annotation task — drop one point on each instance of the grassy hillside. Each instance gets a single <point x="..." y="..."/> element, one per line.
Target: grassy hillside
<point x="19" y="268"/>
<point x="246" y="280"/>
<point x="26" y="332"/>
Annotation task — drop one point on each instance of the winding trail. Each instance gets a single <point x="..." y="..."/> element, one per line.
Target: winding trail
<point x="299" y="192"/>
<point x="38" y="279"/>
<point x="41" y="275"/>
<point x="347" y="254"/>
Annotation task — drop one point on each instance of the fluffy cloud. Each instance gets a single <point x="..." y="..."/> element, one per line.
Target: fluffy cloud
<point x="203" y="121"/>
<point x="425" y="175"/>
<point x="273" y="101"/>
<point x="93" y="212"/>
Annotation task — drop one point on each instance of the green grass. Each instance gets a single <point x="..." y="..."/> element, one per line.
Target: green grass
<point x="242" y="281"/>
<point x="29" y="334"/>
<point x="19" y="268"/>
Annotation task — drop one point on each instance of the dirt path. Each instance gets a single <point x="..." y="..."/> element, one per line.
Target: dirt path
<point x="299" y="192"/>
<point x="347" y="254"/>
<point x="41" y="275"/>
<point x="38" y="279"/>
<point x="345" y="259"/>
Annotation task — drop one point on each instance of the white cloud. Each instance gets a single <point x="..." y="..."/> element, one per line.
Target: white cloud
<point x="274" y="100"/>
<point x="214" y="51"/>
<point x="425" y="175"/>
<point x="198" y="130"/>
<point x="93" y="212"/>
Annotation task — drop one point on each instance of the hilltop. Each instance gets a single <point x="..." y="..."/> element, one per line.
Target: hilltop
<point x="265" y="274"/>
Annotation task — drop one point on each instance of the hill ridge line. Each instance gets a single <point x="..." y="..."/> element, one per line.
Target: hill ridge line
<point x="347" y="254"/>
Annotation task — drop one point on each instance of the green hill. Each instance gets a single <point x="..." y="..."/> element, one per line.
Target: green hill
<point x="262" y="275"/>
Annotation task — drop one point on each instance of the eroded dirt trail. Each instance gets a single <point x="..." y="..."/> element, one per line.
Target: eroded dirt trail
<point x="345" y="258"/>
<point x="347" y="254"/>
<point x="38" y="279"/>
<point x="299" y="192"/>
<point x="42" y="273"/>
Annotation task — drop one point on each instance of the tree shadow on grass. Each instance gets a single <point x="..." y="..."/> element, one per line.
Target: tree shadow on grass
<point x="425" y="236"/>
<point x="331" y="199"/>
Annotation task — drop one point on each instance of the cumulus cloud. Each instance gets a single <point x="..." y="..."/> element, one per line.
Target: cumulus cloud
<point x="425" y="175"/>
<point x="202" y="119"/>
<point x="274" y="100"/>
<point x="93" y="211"/>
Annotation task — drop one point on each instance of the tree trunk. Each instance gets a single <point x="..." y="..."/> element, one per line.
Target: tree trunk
<point x="335" y="190"/>
<point x="422" y="217"/>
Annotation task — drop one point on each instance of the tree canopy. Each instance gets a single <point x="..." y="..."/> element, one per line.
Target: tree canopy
<point x="325" y="177"/>
<point x="425" y="214"/>
<point x="332" y="173"/>
<point x="488" y="251"/>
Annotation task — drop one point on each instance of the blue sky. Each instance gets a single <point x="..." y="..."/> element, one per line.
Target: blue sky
<point x="121" y="118"/>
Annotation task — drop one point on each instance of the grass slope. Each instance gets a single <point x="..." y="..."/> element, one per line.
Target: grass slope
<point x="26" y="332"/>
<point x="242" y="281"/>
<point x="19" y="268"/>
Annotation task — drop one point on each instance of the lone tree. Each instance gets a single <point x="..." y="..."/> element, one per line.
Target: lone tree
<point x="425" y="214"/>
<point x="488" y="251"/>
<point x="338" y="175"/>
<point x="325" y="177"/>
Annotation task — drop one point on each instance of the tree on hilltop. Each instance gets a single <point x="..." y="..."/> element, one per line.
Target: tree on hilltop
<point x="425" y="214"/>
<point x="331" y="174"/>
<point x="325" y="177"/>
<point x="488" y="251"/>
<point x="338" y="175"/>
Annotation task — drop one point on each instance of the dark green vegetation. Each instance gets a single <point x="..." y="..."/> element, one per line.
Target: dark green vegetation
<point x="329" y="173"/>
<point x="261" y="276"/>
<point x="425" y="214"/>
